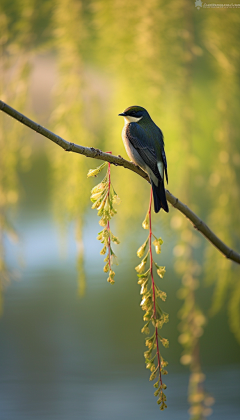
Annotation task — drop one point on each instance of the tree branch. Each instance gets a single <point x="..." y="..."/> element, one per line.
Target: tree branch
<point x="119" y="161"/>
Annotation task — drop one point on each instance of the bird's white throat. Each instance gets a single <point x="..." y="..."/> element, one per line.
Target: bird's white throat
<point x="129" y="119"/>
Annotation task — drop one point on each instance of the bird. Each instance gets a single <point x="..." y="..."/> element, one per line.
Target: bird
<point x="144" y="144"/>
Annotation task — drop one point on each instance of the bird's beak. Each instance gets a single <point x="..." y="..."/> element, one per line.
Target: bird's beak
<point x="122" y="114"/>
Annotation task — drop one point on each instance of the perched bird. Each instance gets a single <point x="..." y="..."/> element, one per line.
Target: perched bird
<point x="143" y="141"/>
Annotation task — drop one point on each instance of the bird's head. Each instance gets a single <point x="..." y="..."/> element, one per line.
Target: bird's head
<point x="134" y="114"/>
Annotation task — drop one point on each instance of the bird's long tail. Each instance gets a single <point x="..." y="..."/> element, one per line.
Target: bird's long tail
<point x="159" y="197"/>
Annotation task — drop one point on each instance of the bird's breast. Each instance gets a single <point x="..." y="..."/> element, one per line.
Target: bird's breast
<point x="131" y="151"/>
<point x="127" y="143"/>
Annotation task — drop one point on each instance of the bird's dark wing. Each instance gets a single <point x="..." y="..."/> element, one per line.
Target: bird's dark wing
<point x="143" y="143"/>
<point x="164" y="159"/>
<point x="165" y="163"/>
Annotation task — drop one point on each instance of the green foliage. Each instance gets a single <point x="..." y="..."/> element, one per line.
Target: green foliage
<point x="154" y="316"/>
<point x="103" y="197"/>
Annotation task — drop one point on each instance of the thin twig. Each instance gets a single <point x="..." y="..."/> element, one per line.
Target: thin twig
<point x="119" y="161"/>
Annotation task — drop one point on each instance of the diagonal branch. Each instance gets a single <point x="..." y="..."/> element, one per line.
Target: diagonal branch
<point x="119" y="161"/>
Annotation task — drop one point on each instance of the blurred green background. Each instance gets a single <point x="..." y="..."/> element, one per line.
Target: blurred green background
<point x="71" y="345"/>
